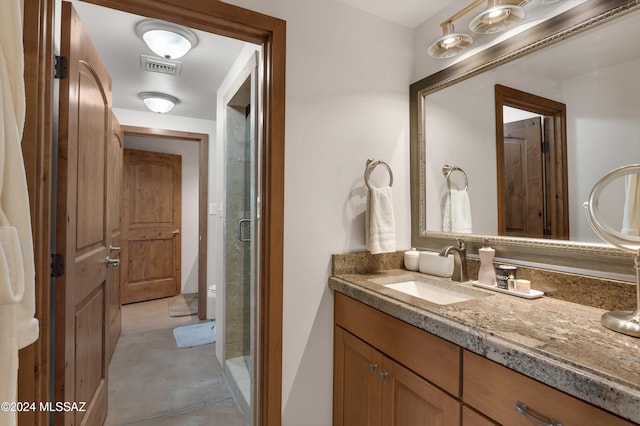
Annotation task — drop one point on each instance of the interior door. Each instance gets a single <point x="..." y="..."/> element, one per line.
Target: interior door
<point x="151" y="217"/>
<point x="114" y="203"/>
<point x="524" y="178"/>
<point x="82" y="227"/>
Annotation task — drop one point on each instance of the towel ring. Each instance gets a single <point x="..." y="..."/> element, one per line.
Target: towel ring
<point x="447" y="170"/>
<point x="372" y="163"/>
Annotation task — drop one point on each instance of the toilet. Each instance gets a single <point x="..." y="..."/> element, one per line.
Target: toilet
<point x="211" y="302"/>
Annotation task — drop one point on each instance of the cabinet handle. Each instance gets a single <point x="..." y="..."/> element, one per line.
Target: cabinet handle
<point x="523" y="409"/>
<point x="373" y="367"/>
<point x="383" y="376"/>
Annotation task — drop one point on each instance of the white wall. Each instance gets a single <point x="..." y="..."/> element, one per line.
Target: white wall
<point x="347" y="100"/>
<point x="185" y="124"/>
<point x="190" y="182"/>
<point x="590" y="129"/>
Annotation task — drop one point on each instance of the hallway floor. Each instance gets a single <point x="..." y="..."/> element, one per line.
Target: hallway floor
<point x="153" y="382"/>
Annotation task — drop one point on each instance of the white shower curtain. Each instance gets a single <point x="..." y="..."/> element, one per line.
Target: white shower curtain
<point x="18" y="327"/>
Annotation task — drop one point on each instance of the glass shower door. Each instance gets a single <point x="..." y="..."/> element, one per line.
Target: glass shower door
<point x="241" y="244"/>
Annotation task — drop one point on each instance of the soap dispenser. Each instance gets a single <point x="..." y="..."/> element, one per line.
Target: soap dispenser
<point x="487" y="274"/>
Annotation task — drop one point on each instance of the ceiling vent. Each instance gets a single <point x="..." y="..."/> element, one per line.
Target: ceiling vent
<point x="159" y="65"/>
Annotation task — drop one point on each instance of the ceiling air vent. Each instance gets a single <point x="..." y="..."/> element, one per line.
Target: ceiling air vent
<point x="159" y="65"/>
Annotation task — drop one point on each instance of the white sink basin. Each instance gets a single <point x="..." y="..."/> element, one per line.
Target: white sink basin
<point x="441" y="292"/>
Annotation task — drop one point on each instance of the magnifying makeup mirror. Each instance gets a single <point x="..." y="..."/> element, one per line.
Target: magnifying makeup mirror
<point x="619" y="186"/>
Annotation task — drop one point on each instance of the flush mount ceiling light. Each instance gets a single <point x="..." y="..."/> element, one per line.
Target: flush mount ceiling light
<point x="165" y="39"/>
<point x="450" y="44"/>
<point x="498" y="16"/>
<point x="158" y="102"/>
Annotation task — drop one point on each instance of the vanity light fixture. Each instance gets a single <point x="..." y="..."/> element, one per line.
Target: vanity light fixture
<point x="158" y="102"/>
<point x="498" y="16"/>
<point x="167" y="40"/>
<point x="450" y="44"/>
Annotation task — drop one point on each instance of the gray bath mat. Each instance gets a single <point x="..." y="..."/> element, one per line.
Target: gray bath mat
<point x="192" y="335"/>
<point x="183" y="305"/>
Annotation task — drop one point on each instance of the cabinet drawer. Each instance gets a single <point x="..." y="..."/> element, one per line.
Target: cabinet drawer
<point x="494" y="390"/>
<point x="471" y="417"/>
<point x="431" y="357"/>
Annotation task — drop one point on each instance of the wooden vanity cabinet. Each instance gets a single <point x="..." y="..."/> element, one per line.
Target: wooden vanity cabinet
<point x="372" y="389"/>
<point x="390" y="373"/>
<point x="494" y="390"/>
<point x="384" y="371"/>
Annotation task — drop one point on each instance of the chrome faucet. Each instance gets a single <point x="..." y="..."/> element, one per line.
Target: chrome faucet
<point x="459" y="261"/>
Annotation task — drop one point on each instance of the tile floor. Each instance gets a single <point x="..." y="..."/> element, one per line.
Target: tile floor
<point x="153" y="382"/>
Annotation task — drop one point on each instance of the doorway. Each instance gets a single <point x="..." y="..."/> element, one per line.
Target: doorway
<point x="194" y="148"/>
<point x="219" y="18"/>
<point x="531" y="151"/>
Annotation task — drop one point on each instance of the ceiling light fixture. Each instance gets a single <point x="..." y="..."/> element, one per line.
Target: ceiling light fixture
<point x="167" y="40"/>
<point x="498" y="16"/>
<point x="450" y="44"/>
<point x="159" y="102"/>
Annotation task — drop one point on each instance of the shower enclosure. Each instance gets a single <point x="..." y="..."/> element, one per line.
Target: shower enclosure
<point x="241" y="239"/>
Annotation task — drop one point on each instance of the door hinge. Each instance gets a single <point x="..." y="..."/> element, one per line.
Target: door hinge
<point x="57" y="265"/>
<point x="61" y="67"/>
<point x="546" y="146"/>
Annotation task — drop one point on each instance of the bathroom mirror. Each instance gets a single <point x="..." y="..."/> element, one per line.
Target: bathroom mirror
<point x="453" y="122"/>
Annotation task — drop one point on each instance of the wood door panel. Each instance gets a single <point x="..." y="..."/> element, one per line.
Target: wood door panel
<point x="523" y="186"/>
<point x="90" y="337"/>
<point x="84" y="134"/>
<point x="147" y="260"/>
<point x="94" y="115"/>
<point x="410" y="400"/>
<point x="152" y="211"/>
<point x="357" y="389"/>
<point x="152" y="188"/>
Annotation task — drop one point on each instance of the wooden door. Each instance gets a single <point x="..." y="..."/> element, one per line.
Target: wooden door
<point x="81" y="226"/>
<point x="356" y="381"/>
<point x="410" y="400"/>
<point x="115" y="161"/>
<point x="524" y="178"/>
<point x="151" y="219"/>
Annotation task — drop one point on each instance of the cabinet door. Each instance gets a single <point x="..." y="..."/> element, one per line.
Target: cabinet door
<point x="409" y="400"/>
<point x="356" y="388"/>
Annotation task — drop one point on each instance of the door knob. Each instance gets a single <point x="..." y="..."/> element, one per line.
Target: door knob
<point x="114" y="248"/>
<point x="114" y="262"/>
<point x="176" y="232"/>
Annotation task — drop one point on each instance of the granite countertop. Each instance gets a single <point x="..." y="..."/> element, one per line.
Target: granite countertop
<point x="559" y="343"/>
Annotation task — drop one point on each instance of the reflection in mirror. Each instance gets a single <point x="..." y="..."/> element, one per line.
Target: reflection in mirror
<point x="603" y="104"/>
<point x="532" y="165"/>
<point x="575" y="59"/>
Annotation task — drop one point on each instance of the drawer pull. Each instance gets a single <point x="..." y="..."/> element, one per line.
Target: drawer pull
<point x="523" y="409"/>
<point x="383" y="376"/>
<point x="373" y="367"/>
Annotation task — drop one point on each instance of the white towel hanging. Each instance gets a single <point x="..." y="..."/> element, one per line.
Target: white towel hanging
<point x="457" y="212"/>
<point x="18" y="327"/>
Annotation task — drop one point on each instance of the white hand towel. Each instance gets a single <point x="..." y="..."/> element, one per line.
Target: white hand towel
<point x="380" y="233"/>
<point x="631" y="216"/>
<point x="457" y="212"/>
